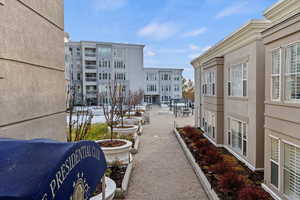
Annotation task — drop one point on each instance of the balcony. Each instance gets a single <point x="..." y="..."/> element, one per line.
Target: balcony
<point x="90" y="54"/>
<point x="90" y="66"/>
<point x="88" y="79"/>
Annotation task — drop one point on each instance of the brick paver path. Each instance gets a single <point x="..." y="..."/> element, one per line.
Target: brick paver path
<point x="162" y="171"/>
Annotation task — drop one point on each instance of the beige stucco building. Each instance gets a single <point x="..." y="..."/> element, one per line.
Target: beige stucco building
<point x="261" y="96"/>
<point x="32" y="92"/>
<point x="231" y="99"/>
<point x="282" y="100"/>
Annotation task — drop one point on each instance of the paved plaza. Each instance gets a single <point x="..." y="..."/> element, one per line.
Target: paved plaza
<point x="162" y="171"/>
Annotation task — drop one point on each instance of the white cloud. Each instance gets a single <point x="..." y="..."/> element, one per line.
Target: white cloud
<point x="158" y="31"/>
<point x="234" y="9"/>
<point x="150" y="53"/>
<point x="195" y="32"/>
<point x="194" y="47"/>
<point x="202" y="50"/>
<point x="109" y="4"/>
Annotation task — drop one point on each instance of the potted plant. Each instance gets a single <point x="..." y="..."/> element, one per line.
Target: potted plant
<point x="114" y="149"/>
<point x="125" y="99"/>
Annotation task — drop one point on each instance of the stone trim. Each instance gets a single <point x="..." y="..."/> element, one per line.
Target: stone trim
<point x="245" y="35"/>
<point x="39" y="14"/>
<point x="31" y="119"/>
<point x="122" y="192"/>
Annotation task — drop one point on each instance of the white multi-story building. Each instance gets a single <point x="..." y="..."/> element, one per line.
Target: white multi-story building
<point x="94" y="64"/>
<point x="162" y="85"/>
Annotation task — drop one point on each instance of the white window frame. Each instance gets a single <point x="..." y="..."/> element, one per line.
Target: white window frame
<point x="230" y="77"/>
<point x="209" y="83"/>
<point x="276" y="162"/>
<point x="241" y="151"/>
<point x="294" y="145"/>
<point x="276" y="75"/>
<point x="290" y="100"/>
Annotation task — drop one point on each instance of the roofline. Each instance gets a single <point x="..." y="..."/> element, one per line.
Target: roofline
<point x="263" y="22"/>
<point x="162" y="68"/>
<point x="107" y="43"/>
<point x="273" y="6"/>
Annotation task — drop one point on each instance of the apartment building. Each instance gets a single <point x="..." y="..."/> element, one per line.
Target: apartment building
<point x="32" y="95"/>
<point x="162" y="84"/>
<point x="230" y="106"/>
<point x="95" y="64"/>
<point x="282" y="100"/>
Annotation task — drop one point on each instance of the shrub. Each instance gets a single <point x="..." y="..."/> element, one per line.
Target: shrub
<point x="201" y="143"/>
<point x="212" y="157"/>
<point x="188" y="129"/>
<point x="231" y="183"/>
<point x="253" y="193"/>
<point x="221" y="168"/>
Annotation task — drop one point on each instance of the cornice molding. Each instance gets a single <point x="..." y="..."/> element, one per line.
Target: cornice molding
<point x="282" y="10"/>
<point x="248" y="33"/>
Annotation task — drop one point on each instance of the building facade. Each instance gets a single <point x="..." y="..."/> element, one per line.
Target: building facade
<point x="211" y="104"/>
<point x="230" y="107"/>
<point x="162" y="84"/>
<point x="32" y="100"/>
<point x="95" y="64"/>
<point x="261" y="96"/>
<point x="282" y="100"/>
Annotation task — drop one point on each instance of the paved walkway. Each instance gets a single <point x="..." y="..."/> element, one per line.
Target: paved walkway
<point x="162" y="171"/>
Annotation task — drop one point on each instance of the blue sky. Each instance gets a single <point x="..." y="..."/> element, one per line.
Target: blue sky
<point x="174" y="31"/>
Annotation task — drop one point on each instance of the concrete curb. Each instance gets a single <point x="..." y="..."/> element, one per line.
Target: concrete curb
<point x="212" y="195"/>
<point x="122" y="192"/>
<point x="140" y="131"/>
<point x="135" y="149"/>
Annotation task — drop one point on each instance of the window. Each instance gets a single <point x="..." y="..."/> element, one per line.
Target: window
<point x="237" y="80"/>
<point x="210" y="123"/>
<point x="78" y="76"/>
<point x="274" y="161"/>
<point x="208" y="87"/>
<point x="292" y="73"/>
<point x="291" y="172"/>
<point x="276" y="70"/>
<point x="238" y="135"/>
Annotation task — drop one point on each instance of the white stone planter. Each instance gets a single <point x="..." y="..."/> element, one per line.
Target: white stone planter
<point x="121" y="153"/>
<point x="110" y="190"/>
<point x="127" y="131"/>
<point x="133" y="120"/>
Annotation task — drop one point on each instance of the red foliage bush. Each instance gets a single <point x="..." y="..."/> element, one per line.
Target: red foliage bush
<point x="231" y="183"/>
<point x="212" y="157"/>
<point x="188" y="129"/>
<point x="221" y="168"/>
<point x="253" y="193"/>
<point x="201" y="143"/>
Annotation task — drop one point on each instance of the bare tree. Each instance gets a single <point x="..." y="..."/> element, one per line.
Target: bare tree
<point x="77" y="128"/>
<point x="110" y="101"/>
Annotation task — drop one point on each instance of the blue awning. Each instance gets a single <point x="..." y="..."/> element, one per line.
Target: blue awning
<point x="46" y="170"/>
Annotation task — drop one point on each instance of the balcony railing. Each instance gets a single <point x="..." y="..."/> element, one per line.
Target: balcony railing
<point x="91" y="79"/>
<point x="90" y="66"/>
<point x="90" y="54"/>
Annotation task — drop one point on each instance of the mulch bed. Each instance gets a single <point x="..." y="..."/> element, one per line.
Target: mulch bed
<point x="113" y="143"/>
<point x="205" y="153"/>
<point x="117" y="174"/>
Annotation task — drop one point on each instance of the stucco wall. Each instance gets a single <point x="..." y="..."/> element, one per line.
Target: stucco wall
<point x="32" y="99"/>
<point x="215" y="103"/>
<point x="282" y="119"/>
<point x="245" y="108"/>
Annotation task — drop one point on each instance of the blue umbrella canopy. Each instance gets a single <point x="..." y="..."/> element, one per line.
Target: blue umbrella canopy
<point x="49" y="170"/>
